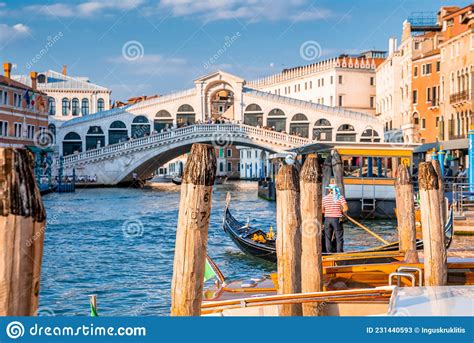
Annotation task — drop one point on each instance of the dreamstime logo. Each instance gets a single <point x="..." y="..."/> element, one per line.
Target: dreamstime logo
<point x="43" y="139"/>
<point x="228" y="41"/>
<point x="310" y="227"/>
<point x="222" y="139"/>
<point x="310" y="50"/>
<point x="132" y="228"/>
<point x="133" y="50"/>
<point x="15" y="330"/>
<point x="51" y="41"/>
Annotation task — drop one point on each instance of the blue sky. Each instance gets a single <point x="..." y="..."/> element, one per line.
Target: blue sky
<point x="140" y="47"/>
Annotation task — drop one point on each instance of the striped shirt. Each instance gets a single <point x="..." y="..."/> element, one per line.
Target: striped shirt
<point x="333" y="209"/>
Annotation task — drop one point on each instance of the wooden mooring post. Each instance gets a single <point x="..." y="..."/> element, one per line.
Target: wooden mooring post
<point x="434" y="248"/>
<point x="311" y="229"/>
<point x="442" y="202"/>
<point x="191" y="233"/>
<point x="288" y="245"/>
<point x="406" y="214"/>
<point x="22" y="226"/>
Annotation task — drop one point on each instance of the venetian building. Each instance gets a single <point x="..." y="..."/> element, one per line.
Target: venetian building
<point x="456" y="73"/>
<point x="346" y="81"/>
<point x="69" y="96"/>
<point x="388" y="93"/>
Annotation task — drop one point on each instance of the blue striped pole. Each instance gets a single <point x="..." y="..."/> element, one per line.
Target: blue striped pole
<point x="441" y="155"/>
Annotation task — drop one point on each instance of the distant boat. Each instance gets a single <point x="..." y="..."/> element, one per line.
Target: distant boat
<point x="177" y="180"/>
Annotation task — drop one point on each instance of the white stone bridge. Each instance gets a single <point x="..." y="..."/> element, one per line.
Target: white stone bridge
<point x="143" y="136"/>
<point x="115" y="163"/>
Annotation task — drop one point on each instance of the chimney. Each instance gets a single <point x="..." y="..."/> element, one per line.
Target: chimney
<point x="33" y="76"/>
<point x="392" y="45"/>
<point x="7" y="68"/>
<point x="64" y="70"/>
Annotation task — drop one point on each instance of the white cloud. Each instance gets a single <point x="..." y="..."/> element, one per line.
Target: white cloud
<point x="248" y="10"/>
<point x="83" y="9"/>
<point x="149" y="64"/>
<point x="13" y="32"/>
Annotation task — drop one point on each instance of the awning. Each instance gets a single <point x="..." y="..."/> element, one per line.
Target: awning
<point x="35" y="149"/>
<point x="312" y="148"/>
<point x="426" y="147"/>
<point x="455" y="144"/>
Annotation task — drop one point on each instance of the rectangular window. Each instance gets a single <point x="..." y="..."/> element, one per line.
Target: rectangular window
<point x="3" y="128"/>
<point x="305" y="85"/>
<point x="428" y="94"/>
<point x="426" y="69"/>
<point x="30" y="131"/>
<point x="331" y="100"/>
<point x="371" y="102"/>
<point x="229" y="166"/>
<point x="319" y="82"/>
<point x="332" y="79"/>
<point x="415" y="71"/>
<point x="417" y="45"/>
<point x="340" y="79"/>
<point x="340" y="100"/>
<point x="322" y="82"/>
<point x="372" y="81"/>
<point x="296" y="88"/>
<point x="415" y="96"/>
<point x="17" y="130"/>
<point x="438" y="66"/>
<point x="437" y="121"/>
<point x="229" y="152"/>
<point x="310" y="84"/>
<point x="221" y="153"/>
<point x="423" y="123"/>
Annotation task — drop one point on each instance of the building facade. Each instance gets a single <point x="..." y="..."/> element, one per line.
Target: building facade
<point x="345" y="81"/>
<point x="69" y="96"/>
<point x="388" y="90"/>
<point x="23" y="111"/>
<point x="254" y="163"/>
<point x="457" y="71"/>
<point x="426" y="87"/>
<point x="228" y="162"/>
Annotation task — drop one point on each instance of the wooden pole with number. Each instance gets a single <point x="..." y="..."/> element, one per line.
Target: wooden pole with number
<point x="406" y="214"/>
<point x="22" y="225"/>
<point x="311" y="228"/>
<point x="191" y="234"/>
<point x="288" y="245"/>
<point x="434" y="248"/>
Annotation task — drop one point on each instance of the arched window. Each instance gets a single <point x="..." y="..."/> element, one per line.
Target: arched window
<point x="369" y="135"/>
<point x="75" y="107"/>
<point x="162" y="121"/>
<point x="100" y="105"/>
<point x="51" y="106"/>
<point x="140" y="127"/>
<point x="95" y="138"/>
<point x="118" y="132"/>
<point x="299" y="117"/>
<point x="275" y="120"/>
<point x="253" y="115"/>
<point x="185" y="115"/>
<point x="299" y="125"/>
<point x="71" y="143"/>
<point x="85" y="107"/>
<point x="346" y="133"/>
<point x="322" y="130"/>
<point x="65" y="106"/>
<point x="416" y="118"/>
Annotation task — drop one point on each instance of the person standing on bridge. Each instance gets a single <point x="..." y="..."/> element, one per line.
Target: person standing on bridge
<point x="334" y="207"/>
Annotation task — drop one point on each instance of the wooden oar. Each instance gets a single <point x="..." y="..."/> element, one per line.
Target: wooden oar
<point x="353" y="221"/>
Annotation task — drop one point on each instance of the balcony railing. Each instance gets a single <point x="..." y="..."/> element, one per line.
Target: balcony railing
<point x="460" y="96"/>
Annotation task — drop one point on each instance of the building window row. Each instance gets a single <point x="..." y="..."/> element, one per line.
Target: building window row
<point x="73" y="106"/>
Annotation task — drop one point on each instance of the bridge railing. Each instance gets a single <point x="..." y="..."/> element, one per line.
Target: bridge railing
<point x="217" y="129"/>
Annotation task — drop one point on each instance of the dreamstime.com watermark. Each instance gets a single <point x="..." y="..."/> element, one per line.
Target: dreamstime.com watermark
<point x="16" y="330"/>
<point x="228" y="41"/>
<point x="51" y="41"/>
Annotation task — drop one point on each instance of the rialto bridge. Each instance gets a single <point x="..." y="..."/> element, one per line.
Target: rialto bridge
<point x="140" y="137"/>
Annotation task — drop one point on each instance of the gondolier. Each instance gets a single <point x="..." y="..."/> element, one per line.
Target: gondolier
<point x="334" y="207"/>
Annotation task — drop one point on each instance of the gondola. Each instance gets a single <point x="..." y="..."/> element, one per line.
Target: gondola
<point x="243" y="234"/>
<point x="177" y="180"/>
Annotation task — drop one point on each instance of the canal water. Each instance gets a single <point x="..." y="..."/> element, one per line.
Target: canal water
<point x="118" y="243"/>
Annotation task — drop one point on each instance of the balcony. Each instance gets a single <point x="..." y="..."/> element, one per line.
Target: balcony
<point x="460" y="97"/>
